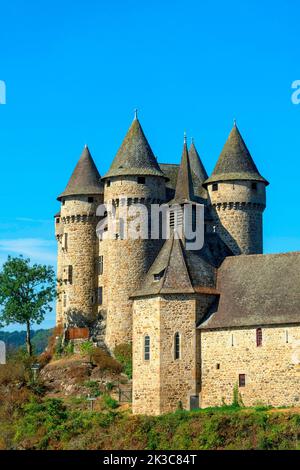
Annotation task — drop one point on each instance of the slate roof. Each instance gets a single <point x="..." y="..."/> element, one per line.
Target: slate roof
<point x="170" y="170"/>
<point x="199" y="174"/>
<point x="135" y="156"/>
<point x="184" y="271"/>
<point x="184" y="191"/>
<point x="257" y="290"/>
<point x="85" y="178"/>
<point x="235" y="162"/>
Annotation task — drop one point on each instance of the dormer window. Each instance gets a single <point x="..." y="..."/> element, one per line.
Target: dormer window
<point x="141" y="180"/>
<point x="215" y="187"/>
<point x="157" y="277"/>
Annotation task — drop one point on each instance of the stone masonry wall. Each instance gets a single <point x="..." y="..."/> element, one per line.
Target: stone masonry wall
<point x="127" y="260"/>
<point x="238" y="212"/>
<point x="146" y="395"/>
<point x="159" y="385"/>
<point x="272" y="370"/>
<point x="78" y="219"/>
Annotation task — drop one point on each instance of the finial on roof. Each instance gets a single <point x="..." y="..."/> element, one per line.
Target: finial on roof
<point x="234" y="122"/>
<point x="184" y="137"/>
<point x="192" y="140"/>
<point x="85" y="146"/>
<point x="135" y="113"/>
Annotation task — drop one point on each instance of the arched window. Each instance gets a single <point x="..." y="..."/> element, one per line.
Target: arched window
<point x="177" y="346"/>
<point x="258" y="337"/>
<point x="147" y="348"/>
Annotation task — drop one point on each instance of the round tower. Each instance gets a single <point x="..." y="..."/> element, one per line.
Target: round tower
<point x="77" y="241"/>
<point x="133" y="178"/>
<point x="237" y="195"/>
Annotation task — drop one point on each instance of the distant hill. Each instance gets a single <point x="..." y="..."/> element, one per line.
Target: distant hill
<point x="17" y="339"/>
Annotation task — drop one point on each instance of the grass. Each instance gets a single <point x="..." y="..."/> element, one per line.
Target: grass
<point x="56" y="424"/>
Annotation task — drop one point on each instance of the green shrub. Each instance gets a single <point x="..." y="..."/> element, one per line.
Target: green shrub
<point x="86" y="348"/>
<point x="94" y="387"/>
<point x="123" y="353"/>
<point x="110" y="402"/>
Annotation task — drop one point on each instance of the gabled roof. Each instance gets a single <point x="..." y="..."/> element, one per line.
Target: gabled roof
<point x="85" y="178"/>
<point x="135" y="156"/>
<point x="180" y="271"/>
<point x="235" y="162"/>
<point x="257" y="290"/>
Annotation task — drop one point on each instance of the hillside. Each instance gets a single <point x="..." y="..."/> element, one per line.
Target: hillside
<point x="55" y="412"/>
<point x="16" y="339"/>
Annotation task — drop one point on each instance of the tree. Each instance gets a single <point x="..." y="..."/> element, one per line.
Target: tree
<point x="26" y="293"/>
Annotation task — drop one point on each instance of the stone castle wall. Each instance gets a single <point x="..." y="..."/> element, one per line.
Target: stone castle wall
<point x="126" y="260"/>
<point x="238" y="210"/>
<point x="164" y="382"/>
<point x="146" y="396"/>
<point x="272" y="371"/>
<point x="78" y="220"/>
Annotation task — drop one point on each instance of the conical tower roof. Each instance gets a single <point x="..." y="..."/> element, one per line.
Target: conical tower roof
<point x="184" y="187"/>
<point x="235" y="162"/>
<point x="199" y="174"/>
<point x="85" y="178"/>
<point x="135" y="156"/>
<point x="197" y="166"/>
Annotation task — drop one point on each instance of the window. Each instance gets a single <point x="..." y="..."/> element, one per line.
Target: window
<point x="147" y="348"/>
<point x="65" y="241"/>
<point x="254" y="186"/>
<point x="158" y="276"/>
<point x="258" y="337"/>
<point x="242" y="380"/>
<point x="100" y="295"/>
<point x="68" y="274"/>
<point x="65" y="298"/>
<point x="57" y="220"/>
<point x="108" y="183"/>
<point x="177" y="346"/>
<point x="90" y="199"/>
<point x="286" y="336"/>
<point x="141" y="180"/>
<point x="215" y="187"/>
<point x="100" y="265"/>
<point x="63" y="202"/>
<point x="218" y="366"/>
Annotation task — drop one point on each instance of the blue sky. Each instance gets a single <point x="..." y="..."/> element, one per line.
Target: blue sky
<point x="75" y="71"/>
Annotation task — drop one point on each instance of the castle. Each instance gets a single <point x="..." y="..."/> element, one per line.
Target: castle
<point x="202" y="322"/>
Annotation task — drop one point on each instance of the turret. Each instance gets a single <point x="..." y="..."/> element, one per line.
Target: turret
<point x="77" y="240"/>
<point x="237" y="195"/>
<point x="133" y="178"/>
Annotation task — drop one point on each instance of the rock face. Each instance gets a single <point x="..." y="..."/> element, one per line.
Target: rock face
<point x="69" y="376"/>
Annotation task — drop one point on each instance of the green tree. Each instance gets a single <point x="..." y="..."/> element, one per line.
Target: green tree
<point x="26" y="293"/>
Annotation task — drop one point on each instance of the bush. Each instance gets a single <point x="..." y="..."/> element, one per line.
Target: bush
<point x="86" y="348"/>
<point x="12" y="373"/>
<point x="110" y="402"/>
<point x="123" y="353"/>
<point x="102" y="359"/>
